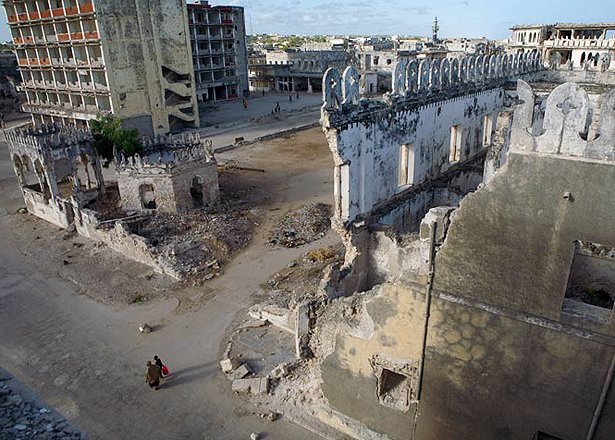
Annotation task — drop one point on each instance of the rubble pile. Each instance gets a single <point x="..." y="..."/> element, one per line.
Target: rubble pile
<point x="196" y="245"/>
<point x="22" y="418"/>
<point x="108" y="206"/>
<point x="305" y="225"/>
<point x="300" y="280"/>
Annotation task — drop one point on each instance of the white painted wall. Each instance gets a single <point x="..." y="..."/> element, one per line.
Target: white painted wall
<point x="371" y="149"/>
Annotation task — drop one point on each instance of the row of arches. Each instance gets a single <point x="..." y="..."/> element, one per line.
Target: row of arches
<point x="63" y="177"/>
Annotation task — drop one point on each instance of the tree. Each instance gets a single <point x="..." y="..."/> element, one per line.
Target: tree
<point x="107" y="132"/>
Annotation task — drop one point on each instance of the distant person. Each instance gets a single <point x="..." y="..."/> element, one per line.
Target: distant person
<point x="277" y="107"/>
<point x="290" y="98"/>
<point x="263" y="92"/>
<point x="2" y="120"/>
<point x="297" y="95"/>
<point x="153" y="374"/>
<point x="163" y="368"/>
<point x="245" y="104"/>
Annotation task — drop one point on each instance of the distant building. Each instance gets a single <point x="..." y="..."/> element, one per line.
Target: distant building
<point x="568" y="45"/>
<point x="130" y="58"/>
<point x="293" y="70"/>
<point x="218" y="36"/>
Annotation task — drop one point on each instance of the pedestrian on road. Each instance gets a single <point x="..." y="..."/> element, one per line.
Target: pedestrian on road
<point x="297" y="95"/>
<point x="163" y="368"/>
<point x="277" y="107"/>
<point x="153" y="375"/>
<point x="290" y="98"/>
<point x="245" y="104"/>
<point x="263" y="92"/>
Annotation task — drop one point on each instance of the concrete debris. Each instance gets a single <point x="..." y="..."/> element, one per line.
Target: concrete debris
<point x="145" y="328"/>
<point x="242" y="371"/>
<point x="305" y="225"/>
<point x="228" y="365"/>
<point x="271" y="416"/>
<point x="299" y="283"/>
<point x="195" y="245"/>
<point x="255" y="385"/>
<point x="254" y="323"/>
<point x="255" y="436"/>
<point x="280" y="371"/>
<point x="278" y="316"/>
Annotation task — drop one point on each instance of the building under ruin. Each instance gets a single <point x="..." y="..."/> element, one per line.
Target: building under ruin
<point x="170" y="176"/>
<point x="61" y="179"/>
<point x="80" y="58"/>
<point x="476" y="296"/>
<point x="568" y="45"/>
<point x="218" y="37"/>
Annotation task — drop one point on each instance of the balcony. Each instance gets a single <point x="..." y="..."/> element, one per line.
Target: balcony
<point x="87" y="8"/>
<point x="566" y="43"/>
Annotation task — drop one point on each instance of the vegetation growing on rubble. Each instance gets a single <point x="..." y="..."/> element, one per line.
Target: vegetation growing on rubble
<point x="108" y="132"/>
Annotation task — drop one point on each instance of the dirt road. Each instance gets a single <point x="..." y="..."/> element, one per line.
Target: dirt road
<point x="86" y="358"/>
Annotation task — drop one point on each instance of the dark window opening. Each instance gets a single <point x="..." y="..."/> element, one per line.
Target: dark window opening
<point x="394" y="389"/>
<point x="591" y="284"/>
<point x="148" y="197"/>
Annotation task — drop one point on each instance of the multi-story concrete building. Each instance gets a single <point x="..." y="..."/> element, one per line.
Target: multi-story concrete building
<point x="79" y="58"/>
<point x="293" y="70"/>
<point x="218" y="35"/>
<point x="571" y="45"/>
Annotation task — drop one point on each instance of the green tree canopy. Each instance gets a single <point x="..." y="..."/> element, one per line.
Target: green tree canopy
<point x="108" y="133"/>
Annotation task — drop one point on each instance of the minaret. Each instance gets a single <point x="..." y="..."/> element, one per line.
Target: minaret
<point x="435" y="28"/>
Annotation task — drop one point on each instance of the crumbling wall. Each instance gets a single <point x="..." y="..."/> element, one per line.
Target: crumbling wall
<point x="504" y="355"/>
<point x="439" y="114"/>
<point x="132" y="185"/>
<point x="147" y="41"/>
<point x="371" y="150"/>
<point x="192" y="179"/>
<point x="357" y="334"/>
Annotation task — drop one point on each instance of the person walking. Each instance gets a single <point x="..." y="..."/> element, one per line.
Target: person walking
<point x="153" y="375"/>
<point x="163" y="368"/>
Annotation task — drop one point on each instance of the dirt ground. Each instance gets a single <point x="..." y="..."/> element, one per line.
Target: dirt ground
<point x="69" y="309"/>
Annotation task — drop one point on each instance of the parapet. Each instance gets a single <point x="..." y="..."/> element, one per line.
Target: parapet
<point x="48" y="138"/>
<point x="161" y="153"/>
<point x="564" y="129"/>
<point x="424" y="80"/>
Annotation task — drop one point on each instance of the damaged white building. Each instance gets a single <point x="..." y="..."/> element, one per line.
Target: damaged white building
<point x="476" y="296"/>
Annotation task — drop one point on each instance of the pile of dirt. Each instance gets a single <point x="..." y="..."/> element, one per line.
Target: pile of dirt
<point x="196" y="245"/>
<point x="300" y="280"/>
<point x="305" y="225"/>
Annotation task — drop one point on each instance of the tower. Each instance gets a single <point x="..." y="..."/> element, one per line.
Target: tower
<point x="434" y="29"/>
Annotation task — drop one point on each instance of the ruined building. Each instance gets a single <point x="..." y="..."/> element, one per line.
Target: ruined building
<point x="476" y="296"/>
<point x="170" y="176"/>
<point x="79" y="58"/>
<point x="58" y="171"/>
<point x="568" y="45"/>
<point x="61" y="179"/>
<point x="218" y="37"/>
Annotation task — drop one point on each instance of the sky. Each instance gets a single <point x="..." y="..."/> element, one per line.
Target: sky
<point x="457" y="18"/>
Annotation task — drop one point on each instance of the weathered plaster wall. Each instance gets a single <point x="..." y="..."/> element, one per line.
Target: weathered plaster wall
<point x="370" y="150"/>
<point x="129" y="185"/>
<point x="142" y="36"/>
<point x="527" y="232"/>
<point x="388" y="323"/>
<point x="207" y="172"/>
<point x="171" y="185"/>
<point x="496" y="377"/>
